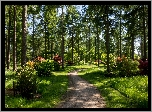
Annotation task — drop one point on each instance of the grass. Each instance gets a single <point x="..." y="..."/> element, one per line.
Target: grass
<point x="127" y="92"/>
<point x="51" y="88"/>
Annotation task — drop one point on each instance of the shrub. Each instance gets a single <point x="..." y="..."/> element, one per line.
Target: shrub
<point x="26" y="82"/>
<point x="30" y="64"/>
<point x="44" y="68"/>
<point x="125" y="67"/>
<point x="56" y="66"/>
<point x="143" y="66"/>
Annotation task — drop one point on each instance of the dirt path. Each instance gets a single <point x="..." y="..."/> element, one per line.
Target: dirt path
<point x="81" y="94"/>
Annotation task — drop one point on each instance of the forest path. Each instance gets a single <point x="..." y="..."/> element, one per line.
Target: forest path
<point x="81" y="94"/>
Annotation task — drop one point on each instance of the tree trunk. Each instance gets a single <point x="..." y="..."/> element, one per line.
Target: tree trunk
<point x="72" y="43"/>
<point x="95" y="47"/>
<point x="107" y="42"/>
<point x="120" y="34"/>
<point x="24" y="31"/>
<point x="98" y="44"/>
<point x="62" y="50"/>
<point x="145" y="54"/>
<point x="45" y="40"/>
<point x="14" y="41"/>
<point x="132" y="46"/>
<point x="89" y="42"/>
<point x="33" y="38"/>
<point x="8" y="40"/>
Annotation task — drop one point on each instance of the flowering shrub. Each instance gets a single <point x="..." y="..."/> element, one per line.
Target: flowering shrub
<point x="143" y="66"/>
<point x="26" y="82"/>
<point x="44" y="68"/>
<point x="125" y="67"/>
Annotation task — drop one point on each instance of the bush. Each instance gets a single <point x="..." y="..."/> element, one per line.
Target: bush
<point x="56" y="66"/>
<point x="26" y="82"/>
<point x="44" y="68"/>
<point x="125" y="67"/>
<point x="143" y="66"/>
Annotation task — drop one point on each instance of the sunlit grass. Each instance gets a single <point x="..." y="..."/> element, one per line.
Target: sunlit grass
<point x="127" y="92"/>
<point x="50" y="88"/>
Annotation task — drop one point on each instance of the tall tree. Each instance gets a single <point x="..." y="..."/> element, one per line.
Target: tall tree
<point x="107" y="38"/>
<point x="8" y="39"/>
<point x="24" y="34"/>
<point x="62" y="51"/>
<point x="14" y="41"/>
<point x="145" y="54"/>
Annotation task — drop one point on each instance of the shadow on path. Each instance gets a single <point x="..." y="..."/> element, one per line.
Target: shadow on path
<point x="81" y="94"/>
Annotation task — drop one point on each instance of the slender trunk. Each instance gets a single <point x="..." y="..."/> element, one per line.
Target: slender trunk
<point x="107" y="42"/>
<point x="89" y="42"/>
<point x="141" y="49"/>
<point x="24" y="28"/>
<point x="14" y="41"/>
<point x="33" y="38"/>
<point x="72" y="43"/>
<point x="95" y="47"/>
<point x="120" y="33"/>
<point x="98" y="44"/>
<point x="45" y="40"/>
<point x="8" y="39"/>
<point x="145" y="54"/>
<point x="62" y="42"/>
<point x="51" y="49"/>
<point x="132" y="46"/>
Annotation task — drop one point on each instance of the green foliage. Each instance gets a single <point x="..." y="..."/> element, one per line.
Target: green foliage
<point x="56" y="66"/>
<point x="44" y="68"/>
<point x="51" y="90"/>
<point x="125" y="67"/>
<point x="26" y="82"/>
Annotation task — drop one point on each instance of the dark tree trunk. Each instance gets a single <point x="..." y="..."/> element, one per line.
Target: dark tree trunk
<point x="132" y="46"/>
<point x="89" y="42"/>
<point x="8" y="40"/>
<point x="72" y="43"/>
<point x="62" y="50"/>
<point x="33" y="38"/>
<point x="107" y="42"/>
<point x="24" y="31"/>
<point x="14" y="41"/>
<point x="145" y="48"/>
<point x="45" y="40"/>
<point x="120" y="35"/>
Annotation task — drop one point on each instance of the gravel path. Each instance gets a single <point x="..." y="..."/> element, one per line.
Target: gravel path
<point x="81" y="94"/>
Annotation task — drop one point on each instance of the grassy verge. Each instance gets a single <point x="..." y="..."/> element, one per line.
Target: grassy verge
<point x="51" y="89"/>
<point x="127" y="92"/>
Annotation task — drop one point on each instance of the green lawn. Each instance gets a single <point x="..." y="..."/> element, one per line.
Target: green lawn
<point x="127" y="92"/>
<point x="51" y="88"/>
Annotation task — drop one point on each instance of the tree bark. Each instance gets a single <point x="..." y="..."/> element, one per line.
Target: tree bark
<point x="33" y="39"/>
<point x="24" y="31"/>
<point x="132" y="46"/>
<point x="45" y="40"/>
<point x="120" y="34"/>
<point x="107" y="42"/>
<point x="145" y="48"/>
<point x="14" y="41"/>
<point x="8" y="39"/>
<point x="62" y="51"/>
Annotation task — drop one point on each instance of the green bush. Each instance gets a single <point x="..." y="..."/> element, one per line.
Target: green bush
<point x="56" y="66"/>
<point x="26" y="82"/>
<point x="126" y="67"/>
<point x="44" y="68"/>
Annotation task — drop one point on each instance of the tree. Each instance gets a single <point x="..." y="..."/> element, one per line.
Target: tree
<point x="14" y="41"/>
<point x="24" y="33"/>
<point x="8" y="39"/>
